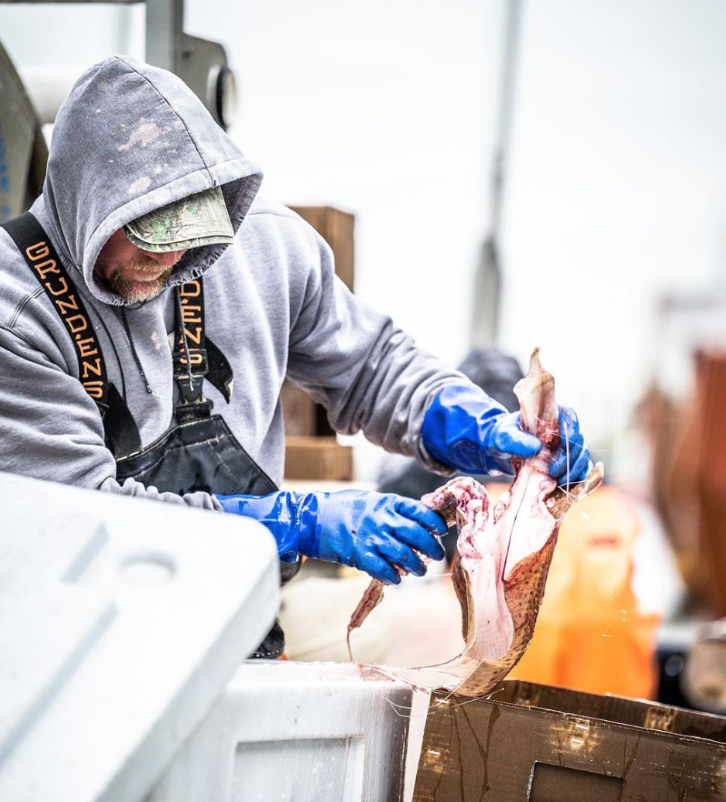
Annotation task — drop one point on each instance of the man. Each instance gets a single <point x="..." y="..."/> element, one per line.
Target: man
<point x="118" y="349"/>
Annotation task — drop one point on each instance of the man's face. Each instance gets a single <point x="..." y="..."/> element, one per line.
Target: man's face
<point x="134" y="274"/>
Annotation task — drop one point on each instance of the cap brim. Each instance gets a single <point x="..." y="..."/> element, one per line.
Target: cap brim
<point x="192" y="222"/>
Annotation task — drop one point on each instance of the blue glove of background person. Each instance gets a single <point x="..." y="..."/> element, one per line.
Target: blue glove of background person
<point x="374" y="532"/>
<point x="466" y="429"/>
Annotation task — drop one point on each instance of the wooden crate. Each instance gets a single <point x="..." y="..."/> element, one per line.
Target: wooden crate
<point x="318" y="458"/>
<point x="336" y="227"/>
<point x="304" y="419"/>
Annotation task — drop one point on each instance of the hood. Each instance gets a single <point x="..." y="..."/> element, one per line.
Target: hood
<point x="129" y="139"/>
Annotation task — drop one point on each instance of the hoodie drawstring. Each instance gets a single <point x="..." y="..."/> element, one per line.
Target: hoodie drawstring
<point x="133" y="351"/>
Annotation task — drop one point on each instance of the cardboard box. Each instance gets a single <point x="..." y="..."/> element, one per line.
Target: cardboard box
<point x="299" y="412"/>
<point x="318" y="458"/>
<point x="535" y="743"/>
<point x="303" y="417"/>
<point x="337" y="229"/>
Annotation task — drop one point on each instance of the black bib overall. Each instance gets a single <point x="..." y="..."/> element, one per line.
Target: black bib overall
<point x="198" y="452"/>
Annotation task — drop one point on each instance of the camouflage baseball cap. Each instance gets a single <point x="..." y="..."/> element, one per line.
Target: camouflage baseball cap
<point x="197" y="220"/>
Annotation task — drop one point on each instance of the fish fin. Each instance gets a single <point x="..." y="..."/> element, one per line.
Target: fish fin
<point x="371" y="599"/>
<point x="536" y="396"/>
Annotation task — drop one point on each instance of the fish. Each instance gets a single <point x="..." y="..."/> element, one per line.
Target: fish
<point x="504" y="551"/>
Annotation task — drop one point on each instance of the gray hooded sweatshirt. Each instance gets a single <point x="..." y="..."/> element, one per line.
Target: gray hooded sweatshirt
<point x="129" y="139"/>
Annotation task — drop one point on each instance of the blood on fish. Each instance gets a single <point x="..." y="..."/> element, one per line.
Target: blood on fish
<point x="503" y="555"/>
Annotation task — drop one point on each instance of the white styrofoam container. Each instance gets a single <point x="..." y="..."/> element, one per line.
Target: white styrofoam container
<point x="308" y="732"/>
<point x="121" y="619"/>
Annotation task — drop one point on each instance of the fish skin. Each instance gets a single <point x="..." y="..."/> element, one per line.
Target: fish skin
<point x="523" y="589"/>
<point x="511" y="546"/>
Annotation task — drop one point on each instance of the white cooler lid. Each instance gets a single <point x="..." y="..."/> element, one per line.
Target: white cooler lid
<point x="121" y="620"/>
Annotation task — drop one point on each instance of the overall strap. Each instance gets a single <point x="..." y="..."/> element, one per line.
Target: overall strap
<point x="122" y="435"/>
<point x="191" y="362"/>
<point x="43" y="261"/>
<point x="195" y="356"/>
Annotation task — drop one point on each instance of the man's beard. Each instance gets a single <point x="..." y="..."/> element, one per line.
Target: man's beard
<point x="138" y="290"/>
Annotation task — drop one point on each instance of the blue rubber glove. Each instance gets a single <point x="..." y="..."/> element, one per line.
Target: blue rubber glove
<point x="572" y="461"/>
<point x="374" y="532"/>
<point x="466" y="429"/>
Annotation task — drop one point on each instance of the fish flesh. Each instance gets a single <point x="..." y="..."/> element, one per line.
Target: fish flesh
<point x="503" y="554"/>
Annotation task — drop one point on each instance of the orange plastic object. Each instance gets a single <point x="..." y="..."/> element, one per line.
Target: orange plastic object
<point x="590" y="635"/>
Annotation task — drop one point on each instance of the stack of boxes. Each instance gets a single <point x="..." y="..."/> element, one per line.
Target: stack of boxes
<point x="311" y="449"/>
